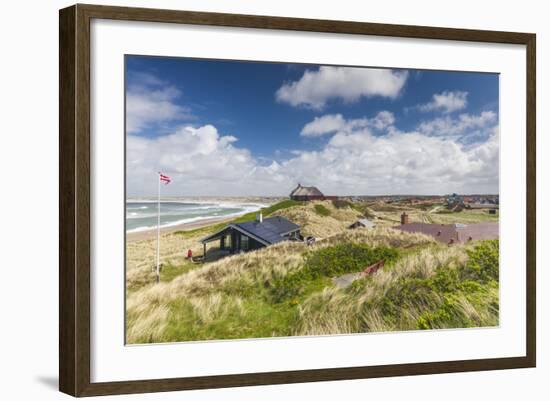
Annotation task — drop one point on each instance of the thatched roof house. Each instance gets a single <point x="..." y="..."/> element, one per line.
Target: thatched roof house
<point x="301" y="193"/>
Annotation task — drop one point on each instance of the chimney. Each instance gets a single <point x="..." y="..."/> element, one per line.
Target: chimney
<point x="404" y="218"/>
<point x="259" y="217"/>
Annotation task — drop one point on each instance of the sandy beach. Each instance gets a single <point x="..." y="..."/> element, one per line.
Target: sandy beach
<point x="152" y="233"/>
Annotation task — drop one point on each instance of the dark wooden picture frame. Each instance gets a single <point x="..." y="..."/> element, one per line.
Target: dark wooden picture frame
<point x="74" y="199"/>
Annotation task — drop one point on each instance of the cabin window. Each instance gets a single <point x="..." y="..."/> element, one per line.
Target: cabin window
<point x="244" y="242"/>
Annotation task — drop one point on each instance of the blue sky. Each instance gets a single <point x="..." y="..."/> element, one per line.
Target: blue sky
<point x="267" y="126"/>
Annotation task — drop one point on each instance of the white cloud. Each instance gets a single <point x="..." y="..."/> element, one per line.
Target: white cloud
<point x="383" y="120"/>
<point x="446" y="101"/>
<point x="196" y="157"/>
<point x="349" y="84"/>
<point x="324" y="125"/>
<point x="464" y="124"/>
<point x="355" y="160"/>
<point x="359" y="162"/>
<point x="331" y="123"/>
<point x="150" y="101"/>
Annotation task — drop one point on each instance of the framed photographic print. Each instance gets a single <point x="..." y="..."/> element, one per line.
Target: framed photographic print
<point x="250" y="200"/>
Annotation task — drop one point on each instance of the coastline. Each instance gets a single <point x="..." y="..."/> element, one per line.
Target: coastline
<point x="152" y="233"/>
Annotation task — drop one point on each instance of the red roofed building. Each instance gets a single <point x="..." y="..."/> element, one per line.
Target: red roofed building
<point x="454" y="233"/>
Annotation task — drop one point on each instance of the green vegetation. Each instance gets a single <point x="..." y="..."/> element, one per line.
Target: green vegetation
<point x="466" y="216"/>
<point x="204" y="231"/>
<point x="287" y="289"/>
<point x="201" y="231"/>
<point x="341" y="203"/>
<point x="324" y="263"/>
<point x="267" y="211"/>
<point x="455" y="289"/>
<point x="441" y="295"/>
<point x="322" y="210"/>
<point x="362" y="208"/>
<point x="257" y="294"/>
<point x="169" y="270"/>
<point x="345" y="258"/>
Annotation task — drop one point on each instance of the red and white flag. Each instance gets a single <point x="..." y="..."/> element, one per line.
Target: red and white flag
<point x="164" y="178"/>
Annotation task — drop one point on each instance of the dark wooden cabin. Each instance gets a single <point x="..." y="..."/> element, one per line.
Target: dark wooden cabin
<point x="251" y="235"/>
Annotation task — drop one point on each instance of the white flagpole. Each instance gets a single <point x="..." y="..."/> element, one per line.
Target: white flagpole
<point x="158" y="229"/>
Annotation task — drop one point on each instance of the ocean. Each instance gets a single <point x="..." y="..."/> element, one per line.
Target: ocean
<point x="142" y="215"/>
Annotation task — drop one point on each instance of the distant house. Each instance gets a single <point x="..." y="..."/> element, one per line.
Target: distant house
<point x="455" y="202"/>
<point x="366" y="223"/>
<point x="256" y="234"/>
<point x="301" y="193"/>
<point x="453" y="233"/>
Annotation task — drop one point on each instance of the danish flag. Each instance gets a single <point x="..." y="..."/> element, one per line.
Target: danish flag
<point x="164" y="178"/>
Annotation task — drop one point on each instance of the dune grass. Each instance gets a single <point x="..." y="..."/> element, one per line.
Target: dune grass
<point x="321" y="210"/>
<point x="320" y="219"/>
<point x="286" y="289"/>
<point x="235" y="297"/>
<point x="447" y="287"/>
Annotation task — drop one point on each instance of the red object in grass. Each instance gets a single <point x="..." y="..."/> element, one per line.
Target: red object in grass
<point x="189" y="253"/>
<point x="373" y="268"/>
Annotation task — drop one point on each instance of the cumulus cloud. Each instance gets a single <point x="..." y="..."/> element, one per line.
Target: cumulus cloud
<point x="324" y="125"/>
<point x="355" y="160"/>
<point x="431" y="159"/>
<point x="446" y="101"/>
<point x="395" y="163"/>
<point x="198" y="158"/>
<point x="331" y="123"/>
<point x="149" y="101"/>
<point x="464" y="124"/>
<point x="316" y="87"/>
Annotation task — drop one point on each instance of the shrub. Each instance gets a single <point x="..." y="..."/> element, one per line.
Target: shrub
<point x="322" y="210"/>
<point x="329" y="262"/>
<point x="345" y="258"/>
<point x="466" y="296"/>
<point x="483" y="264"/>
<point x="341" y="204"/>
<point x="288" y="287"/>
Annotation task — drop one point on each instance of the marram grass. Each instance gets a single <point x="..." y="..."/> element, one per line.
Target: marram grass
<point x="427" y="286"/>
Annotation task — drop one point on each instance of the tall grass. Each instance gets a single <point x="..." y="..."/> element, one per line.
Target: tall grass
<point x="190" y="306"/>
<point x="321" y="210"/>
<point x="426" y="286"/>
<point x="321" y="219"/>
<point x="435" y="288"/>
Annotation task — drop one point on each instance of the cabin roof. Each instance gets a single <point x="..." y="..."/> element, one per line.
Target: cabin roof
<point x="270" y="231"/>
<point x="300" y="190"/>
<point x="366" y="222"/>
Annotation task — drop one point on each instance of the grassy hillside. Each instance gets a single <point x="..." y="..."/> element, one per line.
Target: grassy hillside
<point x="389" y="214"/>
<point x="321" y="219"/>
<point x="452" y="287"/>
<point x="140" y="255"/>
<point x="267" y="211"/>
<point x="287" y="289"/>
